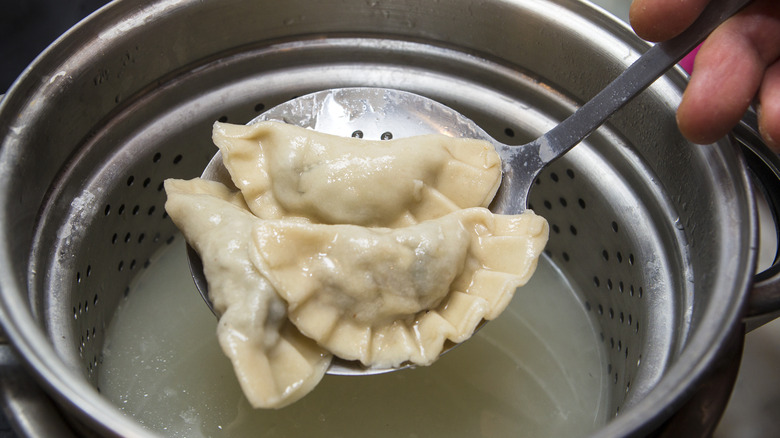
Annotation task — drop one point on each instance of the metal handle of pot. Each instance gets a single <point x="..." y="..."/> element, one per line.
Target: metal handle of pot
<point x="764" y="166"/>
<point x="26" y="407"/>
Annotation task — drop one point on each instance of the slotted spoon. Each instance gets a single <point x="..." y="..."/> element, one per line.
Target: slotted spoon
<point x="377" y="113"/>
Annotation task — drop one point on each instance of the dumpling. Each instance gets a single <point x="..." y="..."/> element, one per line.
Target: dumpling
<point x="284" y="170"/>
<point x="274" y="363"/>
<point x="389" y="296"/>
<point x="377" y="251"/>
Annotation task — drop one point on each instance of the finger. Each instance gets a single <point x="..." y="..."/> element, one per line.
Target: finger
<point x="769" y="107"/>
<point x="728" y="72"/>
<point x="659" y="20"/>
<point x="726" y="76"/>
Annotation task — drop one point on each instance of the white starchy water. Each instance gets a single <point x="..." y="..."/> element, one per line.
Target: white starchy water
<point x="537" y="370"/>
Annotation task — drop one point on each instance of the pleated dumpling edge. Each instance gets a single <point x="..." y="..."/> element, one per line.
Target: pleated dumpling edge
<point x="284" y="170"/>
<point x="387" y="297"/>
<point x="274" y="363"/>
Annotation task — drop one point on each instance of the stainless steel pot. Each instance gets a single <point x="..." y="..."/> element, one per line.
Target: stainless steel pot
<point x="658" y="234"/>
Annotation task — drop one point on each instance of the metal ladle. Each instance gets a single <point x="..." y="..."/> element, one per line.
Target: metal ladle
<point x="377" y="113"/>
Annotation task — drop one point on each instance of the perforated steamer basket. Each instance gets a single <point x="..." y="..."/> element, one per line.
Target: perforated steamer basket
<point x="658" y="234"/>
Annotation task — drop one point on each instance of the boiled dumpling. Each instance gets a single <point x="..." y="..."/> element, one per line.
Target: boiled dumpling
<point x="274" y="363"/>
<point x="284" y="170"/>
<point x="377" y="251"/>
<point x="389" y="296"/>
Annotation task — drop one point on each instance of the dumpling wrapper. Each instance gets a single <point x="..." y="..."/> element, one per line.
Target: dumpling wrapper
<point x="285" y="170"/>
<point x="390" y="296"/>
<point x="275" y="364"/>
<point x="318" y="178"/>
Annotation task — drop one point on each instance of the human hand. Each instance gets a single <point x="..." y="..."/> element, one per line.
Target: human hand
<point x="739" y="62"/>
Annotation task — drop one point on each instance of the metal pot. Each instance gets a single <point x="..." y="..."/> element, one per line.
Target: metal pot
<point x="659" y="235"/>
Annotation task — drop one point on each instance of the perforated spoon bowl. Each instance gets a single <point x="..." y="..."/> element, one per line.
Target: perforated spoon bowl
<point x="377" y="113"/>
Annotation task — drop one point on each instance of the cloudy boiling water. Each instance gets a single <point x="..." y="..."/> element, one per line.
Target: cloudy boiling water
<point x="537" y="370"/>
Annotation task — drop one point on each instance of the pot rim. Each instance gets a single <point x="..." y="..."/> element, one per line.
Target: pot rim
<point x="66" y="385"/>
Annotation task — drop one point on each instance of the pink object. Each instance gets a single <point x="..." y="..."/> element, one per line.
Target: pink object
<point x="687" y="62"/>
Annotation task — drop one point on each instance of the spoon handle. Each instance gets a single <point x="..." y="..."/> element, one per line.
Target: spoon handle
<point x="638" y="76"/>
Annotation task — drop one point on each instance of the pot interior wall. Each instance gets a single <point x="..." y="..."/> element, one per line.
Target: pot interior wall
<point x="601" y="220"/>
<point x="133" y="109"/>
